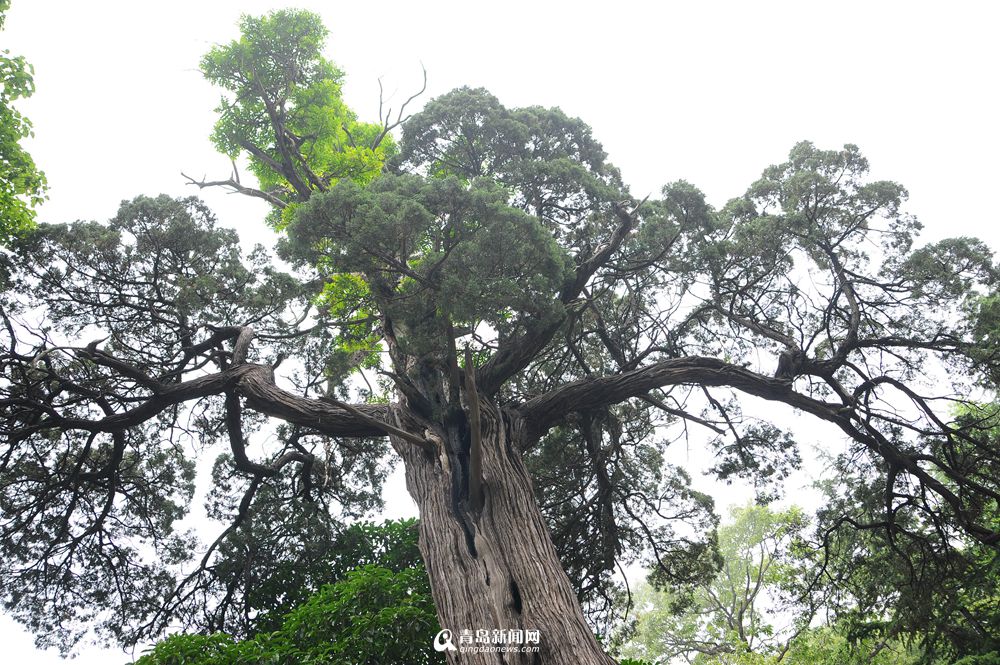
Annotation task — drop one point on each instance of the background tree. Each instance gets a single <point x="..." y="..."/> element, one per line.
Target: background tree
<point x="762" y="607"/>
<point x="510" y="298"/>
<point x="741" y="610"/>
<point x="918" y="588"/>
<point x="278" y="78"/>
<point x="22" y="185"/>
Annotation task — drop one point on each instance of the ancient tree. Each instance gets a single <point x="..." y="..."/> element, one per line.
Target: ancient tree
<point x="482" y="299"/>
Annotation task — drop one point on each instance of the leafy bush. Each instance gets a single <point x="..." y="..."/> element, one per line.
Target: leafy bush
<point x="376" y="613"/>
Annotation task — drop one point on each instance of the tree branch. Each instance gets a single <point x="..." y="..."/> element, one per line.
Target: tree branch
<point x="255" y="382"/>
<point x="515" y="354"/>
<point x="544" y="411"/>
<point x="234" y="184"/>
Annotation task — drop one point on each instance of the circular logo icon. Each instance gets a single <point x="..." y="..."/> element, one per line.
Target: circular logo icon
<point x="442" y="641"/>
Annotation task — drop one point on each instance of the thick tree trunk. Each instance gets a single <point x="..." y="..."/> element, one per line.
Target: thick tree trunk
<point x="494" y="568"/>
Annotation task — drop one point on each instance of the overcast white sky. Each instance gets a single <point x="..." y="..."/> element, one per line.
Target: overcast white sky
<point x="711" y="92"/>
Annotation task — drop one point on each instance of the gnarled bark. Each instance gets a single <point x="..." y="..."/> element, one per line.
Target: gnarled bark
<point x="494" y="568"/>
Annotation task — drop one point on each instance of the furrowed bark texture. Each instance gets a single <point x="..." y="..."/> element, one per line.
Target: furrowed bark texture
<point x="494" y="568"/>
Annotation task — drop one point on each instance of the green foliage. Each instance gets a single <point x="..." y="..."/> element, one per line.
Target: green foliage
<point x="948" y="269"/>
<point x="372" y="616"/>
<point x="821" y="197"/>
<point x="744" y="617"/>
<point x="550" y="163"/>
<point x="507" y="230"/>
<point x="992" y="658"/>
<point x="162" y="271"/>
<point x="739" y="612"/>
<point x="982" y="316"/>
<point x="292" y="547"/>
<point x="762" y="454"/>
<point x="375" y="608"/>
<point x="22" y="185"/>
<point x="285" y="109"/>
<point x="155" y="250"/>
<point x="829" y="645"/>
<point x="916" y="585"/>
<point x="182" y="649"/>
<point x="391" y="546"/>
<point x="430" y="251"/>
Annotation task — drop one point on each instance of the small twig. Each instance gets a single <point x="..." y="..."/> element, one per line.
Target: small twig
<point x="386" y="120"/>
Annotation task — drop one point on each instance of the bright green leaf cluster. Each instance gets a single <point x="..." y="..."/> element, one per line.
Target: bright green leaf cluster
<point x="22" y="185"/>
<point x="280" y="82"/>
<point x="380" y="611"/>
<point x="374" y="615"/>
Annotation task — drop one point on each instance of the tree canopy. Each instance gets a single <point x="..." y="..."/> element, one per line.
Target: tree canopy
<point x="276" y="76"/>
<point x="532" y="340"/>
<point x="22" y="185"/>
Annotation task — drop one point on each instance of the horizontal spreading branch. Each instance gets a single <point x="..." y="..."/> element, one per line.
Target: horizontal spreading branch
<point x="546" y="410"/>
<point x="237" y="443"/>
<point x="252" y="381"/>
